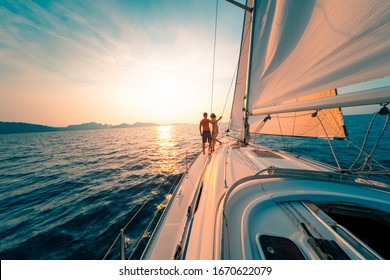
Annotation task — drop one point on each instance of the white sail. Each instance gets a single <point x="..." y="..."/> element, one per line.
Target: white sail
<point x="242" y="73"/>
<point x="327" y="123"/>
<point x="303" y="47"/>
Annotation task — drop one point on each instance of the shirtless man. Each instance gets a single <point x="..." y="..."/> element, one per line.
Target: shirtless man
<point x="204" y="130"/>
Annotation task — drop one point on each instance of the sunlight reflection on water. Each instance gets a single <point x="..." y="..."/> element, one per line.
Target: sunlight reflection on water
<point x="74" y="180"/>
<point x="64" y="193"/>
<point x="167" y="138"/>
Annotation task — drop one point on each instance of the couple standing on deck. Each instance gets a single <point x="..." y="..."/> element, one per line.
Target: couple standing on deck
<point x="207" y="136"/>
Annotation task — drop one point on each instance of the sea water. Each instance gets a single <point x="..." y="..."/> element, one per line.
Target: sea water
<point x="67" y="195"/>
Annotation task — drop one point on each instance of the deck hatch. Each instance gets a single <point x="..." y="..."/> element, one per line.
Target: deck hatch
<point x="279" y="248"/>
<point x="266" y="154"/>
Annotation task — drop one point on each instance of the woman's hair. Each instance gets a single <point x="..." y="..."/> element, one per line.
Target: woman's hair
<point x="213" y="115"/>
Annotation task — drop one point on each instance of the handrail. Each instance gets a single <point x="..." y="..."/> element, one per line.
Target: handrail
<point x="273" y="172"/>
<point x="112" y="245"/>
<point x="121" y="233"/>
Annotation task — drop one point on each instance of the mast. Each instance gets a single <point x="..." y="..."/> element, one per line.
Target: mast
<point x="245" y="130"/>
<point x="239" y="114"/>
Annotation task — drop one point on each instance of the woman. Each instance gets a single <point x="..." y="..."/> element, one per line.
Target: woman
<point x="214" y="130"/>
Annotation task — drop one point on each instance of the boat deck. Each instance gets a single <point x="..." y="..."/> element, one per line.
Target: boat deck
<point x="230" y="211"/>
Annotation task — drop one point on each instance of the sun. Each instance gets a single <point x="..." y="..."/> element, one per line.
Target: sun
<point x="162" y="98"/>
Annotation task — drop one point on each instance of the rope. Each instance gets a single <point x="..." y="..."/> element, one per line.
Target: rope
<point x="330" y="144"/>
<point x="260" y="127"/>
<point x="293" y="132"/>
<point x="295" y="116"/>
<point x="369" y="156"/>
<point x="215" y="44"/>
<point x="281" y="132"/>
<point x="365" y="140"/>
<point x="367" y="159"/>
<point x="288" y="205"/>
<point x="356" y="147"/>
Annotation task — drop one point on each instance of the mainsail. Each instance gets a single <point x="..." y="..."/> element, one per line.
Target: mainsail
<point x="327" y="123"/>
<point x="307" y="49"/>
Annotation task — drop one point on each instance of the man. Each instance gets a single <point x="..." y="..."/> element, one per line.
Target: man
<point x="204" y="130"/>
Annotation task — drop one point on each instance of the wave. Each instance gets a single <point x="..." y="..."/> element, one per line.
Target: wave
<point x="68" y="194"/>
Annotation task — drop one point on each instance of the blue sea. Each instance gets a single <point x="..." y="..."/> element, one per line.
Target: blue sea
<point x="67" y="195"/>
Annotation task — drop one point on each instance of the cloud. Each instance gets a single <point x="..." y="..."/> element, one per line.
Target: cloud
<point x="112" y="49"/>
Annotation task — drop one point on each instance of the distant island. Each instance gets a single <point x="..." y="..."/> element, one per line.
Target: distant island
<point x="20" y="127"/>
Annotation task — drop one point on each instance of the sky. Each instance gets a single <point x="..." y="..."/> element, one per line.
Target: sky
<point x="119" y="61"/>
<point x="112" y="62"/>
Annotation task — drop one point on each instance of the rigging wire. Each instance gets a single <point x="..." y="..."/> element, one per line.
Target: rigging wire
<point x="281" y="132"/>
<point x="135" y="215"/>
<point x="350" y="143"/>
<point x="235" y="75"/>
<point x="112" y="245"/>
<point x="293" y="132"/>
<point x="138" y="211"/>
<point x="369" y="156"/>
<point x="327" y="138"/>
<point x="230" y="88"/>
<point x="146" y="232"/>
<point x="365" y="140"/>
<point x="215" y="44"/>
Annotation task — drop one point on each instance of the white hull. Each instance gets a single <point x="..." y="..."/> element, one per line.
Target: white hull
<point x="223" y="209"/>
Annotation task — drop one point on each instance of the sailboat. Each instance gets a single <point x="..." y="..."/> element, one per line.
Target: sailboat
<point x="247" y="201"/>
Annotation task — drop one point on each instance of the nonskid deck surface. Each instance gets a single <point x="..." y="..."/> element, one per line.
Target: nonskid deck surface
<point x="223" y="210"/>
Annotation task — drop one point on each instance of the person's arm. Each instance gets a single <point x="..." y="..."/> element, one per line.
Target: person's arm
<point x="200" y="130"/>
<point x="219" y="118"/>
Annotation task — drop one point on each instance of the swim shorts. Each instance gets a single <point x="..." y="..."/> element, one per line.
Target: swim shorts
<point x="206" y="136"/>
